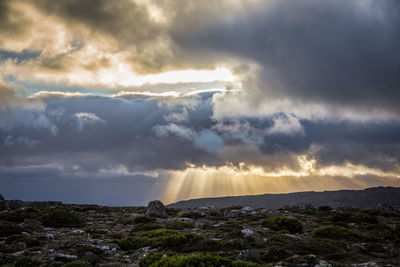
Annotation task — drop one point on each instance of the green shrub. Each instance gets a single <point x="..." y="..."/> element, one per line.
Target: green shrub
<point x="375" y="247"/>
<point x="146" y="227"/>
<point x="341" y="217"/>
<point x="125" y="243"/>
<point x="166" y="238"/>
<point x="282" y="223"/>
<point x="82" y="249"/>
<point x="206" y="245"/>
<point x="144" y="219"/>
<point x="19" y="215"/>
<point x="334" y="232"/>
<point x="26" y="261"/>
<point x="61" y="218"/>
<point x="364" y="217"/>
<point x="157" y="260"/>
<point x="315" y="246"/>
<point x="10" y="229"/>
<point x="275" y="254"/>
<point x="367" y="218"/>
<point x="324" y="208"/>
<point x="28" y="240"/>
<point x="179" y="225"/>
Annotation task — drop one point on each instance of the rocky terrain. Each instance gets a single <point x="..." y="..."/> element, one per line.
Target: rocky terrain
<point x="57" y="234"/>
<point x="367" y="198"/>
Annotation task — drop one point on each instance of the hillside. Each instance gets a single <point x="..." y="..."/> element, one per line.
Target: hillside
<point x="57" y="234"/>
<point x="367" y="198"/>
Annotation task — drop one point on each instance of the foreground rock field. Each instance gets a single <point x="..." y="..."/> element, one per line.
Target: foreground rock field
<point x="56" y="234"/>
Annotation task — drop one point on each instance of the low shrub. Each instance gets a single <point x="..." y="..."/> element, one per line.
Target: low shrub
<point x="294" y="209"/>
<point x="26" y="261"/>
<point x="192" y="214"/>
<point x="28" y="240"/>
<point x="19" y="215"/>
<point x="366" y="218"/>
<point x="205" y="245"/>
<point x="179" y="225"/>
<point x="363" y="217"/>
<point x="61" y="218"/>
<point x="316" y="247"/>
<point x="166" y="238"/>
<point x="144" y="219"/>
<point x="341" y="217"/>
<point x="146" y="227"/>
<point x="125" y="243"/>
<point x="324" y="208"/>
<point x="158" y="260"/>
<point x="10" y="229"/>
<point x="282" y="223"/>
<point x="275" y="254"/>
<point x="334" y="232"/>
<point x="82" y="249"/>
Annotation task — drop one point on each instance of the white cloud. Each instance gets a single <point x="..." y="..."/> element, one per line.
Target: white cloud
<point x="286" y="124"/>
<point x="86" y="118"/>
<point x="206" y="139"/>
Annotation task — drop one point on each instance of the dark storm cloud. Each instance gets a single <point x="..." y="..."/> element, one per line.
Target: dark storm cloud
<point x="152" y="133"/>
<point x="12" y="22"/>
<point x="125" y="20"/>
<point x="341" y="53"/>
<point x="373" y="144"/>
<point x="102" y="132"/>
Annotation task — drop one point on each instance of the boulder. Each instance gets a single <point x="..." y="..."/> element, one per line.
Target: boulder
<point x="365" y="264"/>
<point x="234" y="214"/>
<point x="156" y="208"/>
<point x="247" y="232"/>
<point x="323" y="264"/>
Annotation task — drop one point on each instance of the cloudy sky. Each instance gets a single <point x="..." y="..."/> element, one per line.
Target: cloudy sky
<point x="121" y="102"/>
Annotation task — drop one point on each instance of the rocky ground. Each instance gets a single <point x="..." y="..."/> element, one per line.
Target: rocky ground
<point x="56" y="234"/>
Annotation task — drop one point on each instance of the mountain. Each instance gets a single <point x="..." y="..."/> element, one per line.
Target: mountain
<point x="367" y="198"/>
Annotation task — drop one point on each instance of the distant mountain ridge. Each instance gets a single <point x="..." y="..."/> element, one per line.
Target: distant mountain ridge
<point x="367" y="198"/>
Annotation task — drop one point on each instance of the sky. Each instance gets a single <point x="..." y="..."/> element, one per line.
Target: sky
<point x="122" y="102"/>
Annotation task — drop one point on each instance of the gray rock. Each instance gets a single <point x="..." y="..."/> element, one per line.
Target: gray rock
<point x="62" y="256"/>
<point x="365" y="264"/>
<point x="247" y="209"/>
<point x="157" y="208"/>
<point x="209" y="210"/>
<point x="234" y="214"/>
<point x="323" y="264"/>
<point x="247" y="232"/>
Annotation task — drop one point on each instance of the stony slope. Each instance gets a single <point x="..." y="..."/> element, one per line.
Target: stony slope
<point x="367" y="198"/>
<point x="55" y="234"/>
